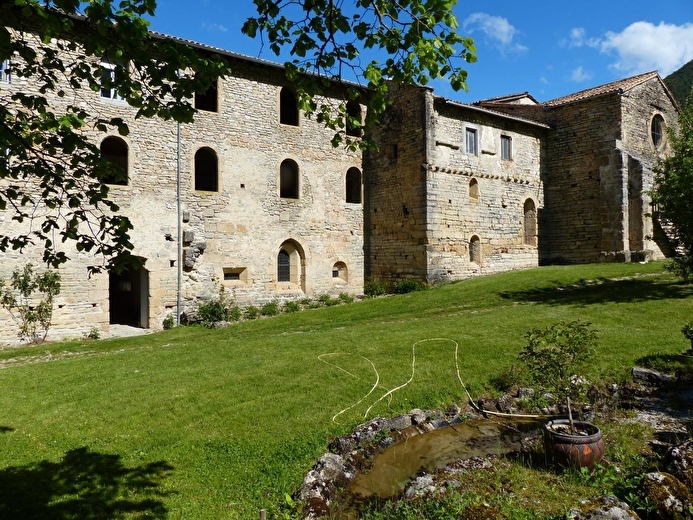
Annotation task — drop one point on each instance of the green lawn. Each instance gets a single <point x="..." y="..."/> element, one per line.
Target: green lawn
<point x="209" y="424"/>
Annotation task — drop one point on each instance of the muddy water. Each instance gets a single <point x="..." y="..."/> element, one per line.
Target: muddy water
<point x="394" y="467"/>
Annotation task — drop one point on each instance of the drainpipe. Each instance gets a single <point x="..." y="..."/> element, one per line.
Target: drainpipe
<point x="179" y="263"/>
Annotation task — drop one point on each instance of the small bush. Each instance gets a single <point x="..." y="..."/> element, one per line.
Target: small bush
<point x="291" y="307"/>
<point x="555" y="353"/>
<point x="407" y="286"/>
<point x="32" y="314"/>
<point x="169" y="322"/>
<point x="346" y="298"/>
<point x="324" y="299"/>
<point x="374" y="288"/>
<point x="235" y="313"/>
<point x="305" y="303"/>
<point x="270" y="308"/>
<point x="252" y="312"/>
<point x="681" y="267"/>
<point x="94" y="333"/>
<point x="216" y="310"/>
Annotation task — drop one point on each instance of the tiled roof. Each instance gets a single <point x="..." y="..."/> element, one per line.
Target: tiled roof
<point x="615" y="86"/>
<point x="509" y="98"/>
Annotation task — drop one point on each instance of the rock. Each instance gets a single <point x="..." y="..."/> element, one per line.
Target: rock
<point x="525" y="393"/>
<point x="400" y="422"/>
<point x="342" y="445"/>
<point x="679" y="462"/>
<point x="486" y="403"/>
<point x="604" y="508"/>
<point x="418" y="416"/>
<point x="648" y="377"/>
<point x="453" y="411"/>
<point x="420" y="486"/>
<point x="671" y="498"/>
<point x="506" y="403"/>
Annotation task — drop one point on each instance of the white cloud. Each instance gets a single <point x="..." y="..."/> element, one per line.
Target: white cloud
<point x="578" y="39"/>
<point x="579" y="75"/>
<point x="643" y="46"/>
<point x="496" y="28"/>
<point x="214" y="27"/>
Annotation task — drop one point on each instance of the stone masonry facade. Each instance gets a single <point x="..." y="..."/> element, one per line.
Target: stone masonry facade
<point x="270" y="211"/>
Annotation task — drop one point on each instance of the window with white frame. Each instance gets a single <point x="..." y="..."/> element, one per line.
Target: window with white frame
<point x="506" y="148"/>
<point x="108" y="78"/>
<point x="471" y="142"/>
<point x="5" y="76"/>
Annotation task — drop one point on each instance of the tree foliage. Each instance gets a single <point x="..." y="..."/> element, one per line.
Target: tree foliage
<point x="52" y="175"/>
<point x="673" y="188"/>
<point x="371" y="42"/>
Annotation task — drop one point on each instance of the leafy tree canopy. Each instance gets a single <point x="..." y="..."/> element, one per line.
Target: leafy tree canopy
<point x="52" y="173"/>
<point x="673" y="187"/>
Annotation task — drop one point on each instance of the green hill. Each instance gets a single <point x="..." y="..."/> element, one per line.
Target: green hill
<point x="680" y="82"/>
<point x="209" y="424"/>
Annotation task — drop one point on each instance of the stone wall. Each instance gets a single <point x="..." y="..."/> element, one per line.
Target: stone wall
<point x="421" y="215"/>
<point x="395" y="211"/>
<point x="238" y="229"/>
<point x="481" y="195"/>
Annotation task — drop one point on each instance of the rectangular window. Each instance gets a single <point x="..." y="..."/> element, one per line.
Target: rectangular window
<point x="108" y="77"/>
<point x="235" y="274"/>
<point x="207" y="100"/>
<point x="5" y="76"/>
<point x="471" y="141"/>
<point x="506" y="148"/>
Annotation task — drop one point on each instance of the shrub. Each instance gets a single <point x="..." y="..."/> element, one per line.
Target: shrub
<point x="291" y="307"/>
<point x="252" y="312"/>
<point x="374" y="287"/>
<point x="346" y="298"/>
<point x="32" y="315"/>
<point x="407" y="286"/>
<point x="555" y="353"/>
<point x="681" y="267"/>
<point x="324" y="299"/>
<point x="94" y="333"/>
<point x="235" y="313"/>
<point x="217" y="310"/>
<point x="270" y="308"/>
<point x="169" y="322"/>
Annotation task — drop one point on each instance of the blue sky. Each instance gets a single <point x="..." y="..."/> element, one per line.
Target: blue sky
<point x="549" y="48"/>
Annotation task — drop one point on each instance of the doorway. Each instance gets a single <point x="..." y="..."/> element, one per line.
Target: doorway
<point x="128" y="297"/>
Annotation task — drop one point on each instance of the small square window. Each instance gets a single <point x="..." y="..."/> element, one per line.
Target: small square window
<point x="471" y="141"/>
<point x="506" y="148"/>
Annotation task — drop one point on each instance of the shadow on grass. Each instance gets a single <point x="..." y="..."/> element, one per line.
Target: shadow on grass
<point x="83" y="484"/>
<point x="6" y="429"/>
<point x="603" y="290"/>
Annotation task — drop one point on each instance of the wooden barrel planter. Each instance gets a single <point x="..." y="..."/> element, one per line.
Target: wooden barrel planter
<point x="582" y="447"/>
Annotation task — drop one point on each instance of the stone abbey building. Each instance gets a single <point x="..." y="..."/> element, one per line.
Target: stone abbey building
<point x="271" y="211"/>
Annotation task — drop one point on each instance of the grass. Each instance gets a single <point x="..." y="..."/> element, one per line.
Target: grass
<point x="199" y="423"/>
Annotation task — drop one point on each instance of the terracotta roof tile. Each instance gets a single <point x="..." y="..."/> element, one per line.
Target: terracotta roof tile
<point x="615" y="86"/>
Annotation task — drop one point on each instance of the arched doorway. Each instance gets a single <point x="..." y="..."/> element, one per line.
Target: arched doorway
<point x="128" y="298"/>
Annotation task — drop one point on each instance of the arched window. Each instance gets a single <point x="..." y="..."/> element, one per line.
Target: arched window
<point x="290" y="265"/>
<point x="340" y="272"/>
<point x="283" y="266"/>
<point x="206" y="170"/>
<point x="288" y="180"/>
<point x="354" y="120"/>
<point x="474" y="190"/>
<point x="475" y="250"/>
<point x="529" y="213"/>
<point x="657" y="131"/>
<point x="288" y="107"/>
<point x="115" y="150"/>
<point x="353" y="186"/>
